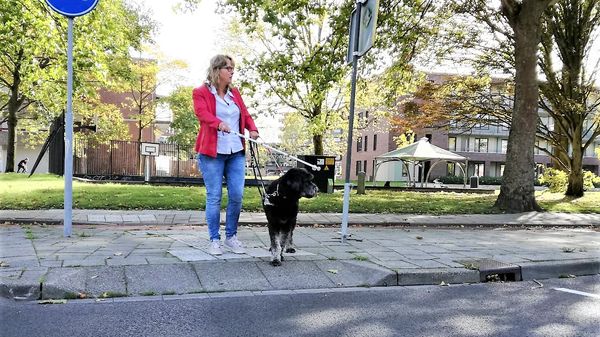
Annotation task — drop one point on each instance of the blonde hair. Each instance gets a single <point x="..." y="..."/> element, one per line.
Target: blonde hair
<point x="216" y="63"/>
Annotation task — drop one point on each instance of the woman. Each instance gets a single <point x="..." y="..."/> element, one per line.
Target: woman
<point x="220" y="109"/>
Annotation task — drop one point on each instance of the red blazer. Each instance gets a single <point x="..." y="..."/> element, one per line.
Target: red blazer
<point x="205" y="108"/>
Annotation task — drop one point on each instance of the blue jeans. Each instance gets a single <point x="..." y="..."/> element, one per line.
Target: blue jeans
<point x="233" y="167"/>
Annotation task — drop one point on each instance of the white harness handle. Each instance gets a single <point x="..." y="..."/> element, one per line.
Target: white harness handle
<point x="314" y="167"/>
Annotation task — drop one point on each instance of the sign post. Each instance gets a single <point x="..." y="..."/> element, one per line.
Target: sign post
<point x="70" y="9"/>
<point x="362" y="35"/>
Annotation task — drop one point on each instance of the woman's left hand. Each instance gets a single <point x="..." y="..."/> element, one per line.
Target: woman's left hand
<point x="254" y="134"/>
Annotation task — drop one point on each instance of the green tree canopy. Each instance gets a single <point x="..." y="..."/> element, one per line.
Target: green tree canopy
<point x="33" y="60"/>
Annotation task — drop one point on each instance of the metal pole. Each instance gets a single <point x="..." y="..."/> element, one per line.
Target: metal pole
<point x="69" y="135"/>
<point x="346" y="203"/>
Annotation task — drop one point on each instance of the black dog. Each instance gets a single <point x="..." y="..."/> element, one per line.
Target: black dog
<point x="281" y="208"/>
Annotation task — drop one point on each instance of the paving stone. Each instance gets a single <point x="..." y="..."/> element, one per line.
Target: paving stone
<point x="398" y="264"/>
<point x="191" y="254"/>
<point x="231" y="276"/>
<point x="60" y="282"/>
<point x="22" y="284"/>
<point x="161" y="279"/>
<point x="306" y="274"/>
<point x="357" y="273"/>
<point x="105" y="279"/>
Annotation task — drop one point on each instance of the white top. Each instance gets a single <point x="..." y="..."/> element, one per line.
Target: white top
<point x="228" y="112"/>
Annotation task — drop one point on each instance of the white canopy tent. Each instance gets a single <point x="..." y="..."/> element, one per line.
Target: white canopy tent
<point x="419" y="152"/>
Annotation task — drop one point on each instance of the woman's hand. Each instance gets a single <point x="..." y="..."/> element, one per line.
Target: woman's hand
<point x="254" y="134"/>
<point x="224" y="127"/>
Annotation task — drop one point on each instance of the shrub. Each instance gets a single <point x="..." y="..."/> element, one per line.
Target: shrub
<point x="557" y="180"/>
<point x="590" y="180"/>
<point x="490" y="180"/>
<point x="451" y="180"/>
<point x="485" y="180"/>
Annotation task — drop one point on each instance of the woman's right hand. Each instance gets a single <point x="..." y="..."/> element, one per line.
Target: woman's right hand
<point x="224" y="127"/>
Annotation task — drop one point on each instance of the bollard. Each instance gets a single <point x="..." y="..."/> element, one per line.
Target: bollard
<point x="360" y="189"/>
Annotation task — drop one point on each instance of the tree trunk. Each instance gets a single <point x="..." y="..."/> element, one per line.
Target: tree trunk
<point x="575" y="187"/>
<point x="318" y="144"/>
<point x="12" y="126"/>
<point x="517" y="193"/>
<point x="13" y="106"/>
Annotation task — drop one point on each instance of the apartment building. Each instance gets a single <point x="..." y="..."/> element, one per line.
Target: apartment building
<point x="484" y="145"/>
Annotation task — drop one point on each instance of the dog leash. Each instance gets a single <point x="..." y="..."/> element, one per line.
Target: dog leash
<point x="258" y="176"/>
<point x="254" y="156"/>
<point x="314" y="167"/>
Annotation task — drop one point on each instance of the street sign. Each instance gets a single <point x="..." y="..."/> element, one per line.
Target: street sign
<point x="149" y="149"/>
<point x="366" y="35"/>
<point x="72" y="8"/>
<point x="362" y="35"/>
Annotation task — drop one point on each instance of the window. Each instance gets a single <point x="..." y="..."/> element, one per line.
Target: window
<point x="359" y="145"/>
<point x="358" y="162"/>
<point x="366" y="145"/>
<point x="479" y="169"/>
<point x="451" y="169"/>
<point x="503" y="145"/>
<point x="452" y="143"/>
<point x="481" y="145"/>
<point x="374" y="142"/>
<point x="367" y="115"/>
<point x="502" y="169"/>
<point x="536" y="149"/>
<point x="364" y="166"/>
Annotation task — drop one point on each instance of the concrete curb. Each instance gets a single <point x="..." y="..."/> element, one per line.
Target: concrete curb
<point x="155" y="281"/>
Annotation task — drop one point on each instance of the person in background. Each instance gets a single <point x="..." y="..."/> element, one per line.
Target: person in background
<point x="220" y="109"/>
<point x="22" y="166"/>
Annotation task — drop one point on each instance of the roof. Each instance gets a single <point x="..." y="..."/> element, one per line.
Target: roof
<point x="421" y="151"/>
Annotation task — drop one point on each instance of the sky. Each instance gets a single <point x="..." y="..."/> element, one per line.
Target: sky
<point x="190" y="37"/>
<point x="195" y="38"/>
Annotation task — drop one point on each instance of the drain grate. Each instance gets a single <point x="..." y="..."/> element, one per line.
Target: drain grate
<point x="493" y="271"/>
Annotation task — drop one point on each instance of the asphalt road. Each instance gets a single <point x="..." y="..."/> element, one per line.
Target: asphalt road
<point x="494" y="309"/>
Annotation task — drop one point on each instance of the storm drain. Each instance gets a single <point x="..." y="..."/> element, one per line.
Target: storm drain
<point x="493" y="271"/>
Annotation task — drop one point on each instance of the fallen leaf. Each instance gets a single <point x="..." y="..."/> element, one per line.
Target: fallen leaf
<point x="52" y="302"/>
<point x="419" y="238"/>
<point x="118" y="254"/>
<point x="333" y="271"/>
<point x="444" y="284"/>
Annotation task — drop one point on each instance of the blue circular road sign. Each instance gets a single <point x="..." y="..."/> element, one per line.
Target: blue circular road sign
<point x="72" y="8"/>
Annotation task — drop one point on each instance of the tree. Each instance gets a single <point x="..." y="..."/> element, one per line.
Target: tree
<point x="567" y="93"/>
<point x="185" y="124"/>
<point x="33" y="62"/>
<point x="303" y="46"/>
<point x="568" y="90"/>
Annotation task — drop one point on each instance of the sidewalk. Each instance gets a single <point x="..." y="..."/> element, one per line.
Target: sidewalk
<point x="159" y="254"/>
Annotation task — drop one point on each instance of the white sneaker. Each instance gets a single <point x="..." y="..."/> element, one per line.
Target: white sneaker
<point x="214" y="248"/>
<point x="235" y="245"/>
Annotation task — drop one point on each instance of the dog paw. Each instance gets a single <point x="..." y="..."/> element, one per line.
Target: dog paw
<point x="276" y="263"/>
<point x="290" y="250"/>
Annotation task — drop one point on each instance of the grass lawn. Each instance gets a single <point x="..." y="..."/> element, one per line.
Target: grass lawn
<point x="46" y="191"/>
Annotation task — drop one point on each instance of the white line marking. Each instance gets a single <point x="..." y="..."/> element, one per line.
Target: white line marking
<point x="578" y="292"/>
